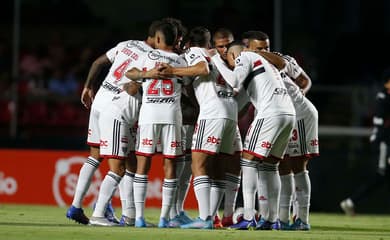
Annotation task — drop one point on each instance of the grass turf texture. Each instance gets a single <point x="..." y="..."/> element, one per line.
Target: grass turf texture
<point x="33" y="222"/>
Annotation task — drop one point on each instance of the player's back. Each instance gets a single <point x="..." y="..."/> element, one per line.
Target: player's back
<point x="265" y="87"/>
<point x="123" y="56"/>
<point x="214" y="95"/>
<point x="161" y="97"/>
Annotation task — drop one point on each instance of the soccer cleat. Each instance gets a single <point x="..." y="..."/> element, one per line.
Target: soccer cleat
<point x="101" y="221"/>
<point x="227" y="221"/>
<point x="140" y="223"/>
<point x="217" y="222"/>
<point x="244" y="225"/>
<point x="300" y="225"/>
<point x="348" y="207"/>
<point x="285" y="226"/>
<point x="199" y="224"/>
<point x="175" y="222"/>
<point x="77" y="214"/>
<point x="163" y="223"/>
<point x="126" y="221"/>
<point x="267" y="225"/>
<point x="184" y="218"/>
<point x="110" y="214"/>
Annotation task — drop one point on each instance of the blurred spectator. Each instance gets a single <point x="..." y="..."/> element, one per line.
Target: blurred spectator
<point x="64" y="84"/>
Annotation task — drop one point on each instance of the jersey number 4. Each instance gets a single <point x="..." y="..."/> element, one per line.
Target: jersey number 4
<point x="158" y="86"/>
<point x="118" y="73"/>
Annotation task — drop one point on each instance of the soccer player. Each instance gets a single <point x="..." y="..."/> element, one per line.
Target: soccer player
<point x="118" y="57"/>
<point x="380" y="142"/>
<point x="160" y="119"/>
<point x="303" y="144"/>
<point x="215" y="131"/>
<point x="268" y="134"/>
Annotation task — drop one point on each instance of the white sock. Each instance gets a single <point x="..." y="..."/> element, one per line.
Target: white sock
<point x="84" y="180"/>
<point x="232" y="185"/>
<point x="183" y="184"/>
<point x="273" y="189"/>
<point x="168" y="194"/>
<point x="217" y="189"/>
<point x="249" y="184"/>
<point x="106" y="191"/>
<point x="126" y="191"/>
<point x="202" y="193"/>
<point x="303" y="192"/>
<point x="262" y="192"/>
<point x="140" y="188"/>
<point x="287" y="188"/>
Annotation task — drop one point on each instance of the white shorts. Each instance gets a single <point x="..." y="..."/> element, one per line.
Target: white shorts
<point x="214" y="136"/>
<point x="237" y="145"/>
<point x="304" y="137"/>
<point x="169" y="136"/>
<point x="269" y="136"/>
<point x="102" y="98"/>
<point x="117" y="126"/>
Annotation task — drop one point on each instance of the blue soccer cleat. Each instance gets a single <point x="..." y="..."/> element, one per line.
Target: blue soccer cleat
<point x="163" y="223"/>
<point x="126" y="221"/>
<point x="199" y="224"/>
<point x="244" y="225"/>
<point x="184" y="218"/>
<point x="110" y="214"/>
<point x="77" y="214"/>
<point x="300" y="225"/>
<point x="285" y="226"/>
<point x="267" y="225"/>
<point x="175" y="222"/>
<point x="140" y="223"/>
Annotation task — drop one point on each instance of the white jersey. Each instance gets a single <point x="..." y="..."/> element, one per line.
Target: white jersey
<point x="292" y="69"/>
<point x="161" y="97"/>
<point x="263" y="84"/>
<point x="214" y="95"/>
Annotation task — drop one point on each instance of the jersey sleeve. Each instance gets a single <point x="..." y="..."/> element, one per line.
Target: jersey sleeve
<point x="242" y="69"/>
<point x="194" y="56"/>
<point x="292" y="68"/>
<point x="113" y="52"/>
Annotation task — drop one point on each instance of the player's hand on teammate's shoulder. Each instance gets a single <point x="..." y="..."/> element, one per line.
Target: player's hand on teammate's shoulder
<point x="87" y="96"/>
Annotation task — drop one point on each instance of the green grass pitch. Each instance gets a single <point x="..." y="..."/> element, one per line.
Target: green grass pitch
<point x="20" y="222"/>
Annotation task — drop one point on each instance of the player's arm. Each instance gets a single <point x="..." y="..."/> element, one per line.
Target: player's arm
<point x="274" y="59"/>
<point x="87" y="94"/>
<point x="137" y="75"/>
<point x="199" y="69"/>
<point x="297" y="74"/>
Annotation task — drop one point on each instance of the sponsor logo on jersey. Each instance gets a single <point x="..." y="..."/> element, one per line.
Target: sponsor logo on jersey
<point x="160" y="100"/>
<point x="138" y="45"/>
<point x="225" y="94"/>
<point x="280" y="91"/>
<point x="213" y="140"/>
<point x="8" y="185"/>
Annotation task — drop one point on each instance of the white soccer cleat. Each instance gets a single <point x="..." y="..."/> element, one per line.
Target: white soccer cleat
<point x="101" y="221"/>
<point x="348" y="207"/>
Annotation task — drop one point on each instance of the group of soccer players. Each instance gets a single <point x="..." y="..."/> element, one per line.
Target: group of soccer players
<point x="174" y="94"/>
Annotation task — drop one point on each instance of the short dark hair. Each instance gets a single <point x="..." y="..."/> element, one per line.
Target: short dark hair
<point x="169" y="31"/>
<point x="199" y="37"/>
<point x="222" y="33"/>
<point x="235" y="43"/>
<point x="152" y="28"/>
<point x="181" y="29"/>
<point x="258" y="35"/>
